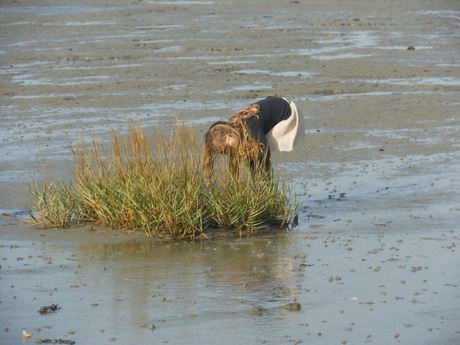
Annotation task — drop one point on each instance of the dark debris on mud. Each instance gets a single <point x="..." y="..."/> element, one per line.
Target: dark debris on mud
<point x="49" y="309"/>
<point x="54" y="341"/>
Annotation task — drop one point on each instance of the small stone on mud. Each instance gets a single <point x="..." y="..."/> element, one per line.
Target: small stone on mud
<point x="256" y="311"/>
<point x="293" y="307"/>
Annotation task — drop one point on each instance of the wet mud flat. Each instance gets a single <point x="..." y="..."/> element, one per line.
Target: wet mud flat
<point x="374" y="258"/>
<point x="337" y="278"/>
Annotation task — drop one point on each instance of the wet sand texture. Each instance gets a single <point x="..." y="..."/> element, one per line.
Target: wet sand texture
<point x="374" y="259"/>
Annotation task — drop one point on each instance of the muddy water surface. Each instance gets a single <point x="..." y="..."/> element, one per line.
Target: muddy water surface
<point x="374" y="258"/>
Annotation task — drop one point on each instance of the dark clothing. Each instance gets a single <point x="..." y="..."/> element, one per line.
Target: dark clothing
<point x="273" y="110"/>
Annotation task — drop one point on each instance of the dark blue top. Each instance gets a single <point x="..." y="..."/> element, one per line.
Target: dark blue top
<point x="273" y="110"/>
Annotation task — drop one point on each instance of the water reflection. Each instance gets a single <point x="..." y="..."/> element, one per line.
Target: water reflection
<point x="254" y="270"/>
<point x="109" y="290"/>
<point x="174" y="283"/>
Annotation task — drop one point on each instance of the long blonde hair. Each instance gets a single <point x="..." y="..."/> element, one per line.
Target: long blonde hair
<point x="237" y="119"/>
<point x="246" y="148"/>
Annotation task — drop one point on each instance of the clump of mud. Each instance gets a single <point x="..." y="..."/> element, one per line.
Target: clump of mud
<point x="49" y="309"/>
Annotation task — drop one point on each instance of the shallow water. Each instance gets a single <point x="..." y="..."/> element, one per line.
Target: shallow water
<point x="233" y="292"/>
<point x="237" y="289"/>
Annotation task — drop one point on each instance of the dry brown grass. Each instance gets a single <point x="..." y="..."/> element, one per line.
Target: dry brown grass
<point x="159" y="189"/>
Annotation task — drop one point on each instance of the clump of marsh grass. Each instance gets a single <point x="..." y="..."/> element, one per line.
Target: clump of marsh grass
<point x="249" y="200"/>
<point x="159" y="190"/>
<point x="56" y="203"/>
